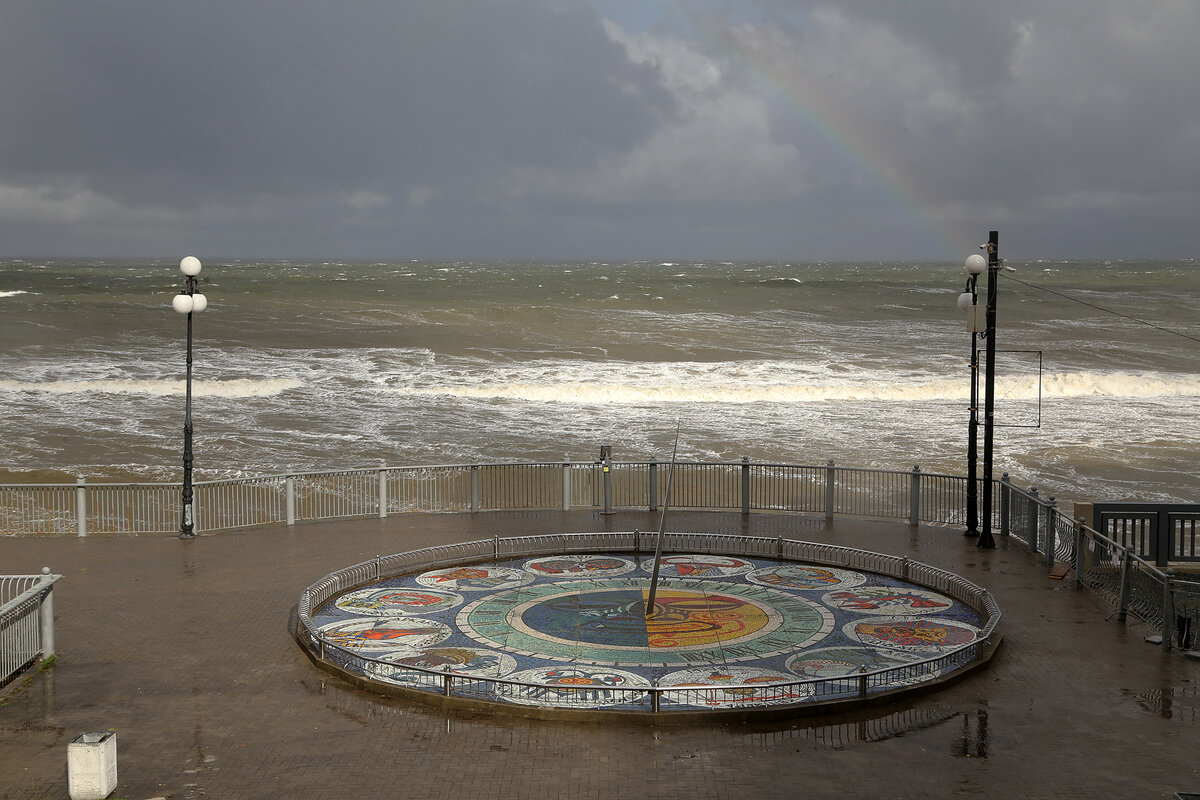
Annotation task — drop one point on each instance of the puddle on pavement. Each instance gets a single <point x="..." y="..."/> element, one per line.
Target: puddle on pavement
<point x="968" y="728"/>
<point x="1180" y="704"/>
<point x="27" y="704"/>
<point x="969" y="737"/>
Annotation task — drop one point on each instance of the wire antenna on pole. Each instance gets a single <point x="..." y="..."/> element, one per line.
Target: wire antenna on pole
<point x="662" y="525"/>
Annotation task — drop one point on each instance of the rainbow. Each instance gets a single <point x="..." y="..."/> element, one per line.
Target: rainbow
<point x="864" y="152"/>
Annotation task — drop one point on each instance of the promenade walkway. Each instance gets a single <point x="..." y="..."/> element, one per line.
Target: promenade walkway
<point x="183" y="648"/>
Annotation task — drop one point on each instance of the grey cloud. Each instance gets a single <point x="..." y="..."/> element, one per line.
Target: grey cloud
<point x="287" y="96"/>
<point x="524" y="129"/>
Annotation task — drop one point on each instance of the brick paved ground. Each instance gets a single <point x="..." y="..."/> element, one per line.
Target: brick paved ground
<point x="182" y="647"/>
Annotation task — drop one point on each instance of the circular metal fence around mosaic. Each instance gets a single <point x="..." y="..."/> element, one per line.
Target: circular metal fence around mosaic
<point x="475" y="578"/>
<point x="574" y="686"/>
<point x="911" y="634"/>
<point x="906" y="669"/>
<point x="732" y="687"/>
<point x="384" y="633"/>
<point x="604" y="622"/>
<point x="891" y="600"/>
<point x="698" y="566"/>
<point x="575" y="566"/>
<point x="804" y="576"/>
<point x="572" y="631"/>
<point x="397" y="601"/>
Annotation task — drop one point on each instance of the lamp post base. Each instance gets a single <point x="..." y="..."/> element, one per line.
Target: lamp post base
<point x="187" y="527"/>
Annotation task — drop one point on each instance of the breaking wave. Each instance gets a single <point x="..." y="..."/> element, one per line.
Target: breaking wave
<point x="228" y="388"/>
<point x="693" y="388"/>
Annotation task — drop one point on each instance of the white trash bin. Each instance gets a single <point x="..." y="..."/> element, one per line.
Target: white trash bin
<point x="92" y="766"/>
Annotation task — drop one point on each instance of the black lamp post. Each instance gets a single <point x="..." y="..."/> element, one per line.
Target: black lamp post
<point x="969" y="301"/>
<point x="187" y="302"/>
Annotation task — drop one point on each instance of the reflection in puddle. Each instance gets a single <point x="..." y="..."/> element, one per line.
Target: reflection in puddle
<point x="971" y="741"/>
<point x="29" y="705"/>
<point x="367" y="708"/>
<point x="1170" y="703"/>
<point x="974" y="740"/>
<point x="968" y="728"/>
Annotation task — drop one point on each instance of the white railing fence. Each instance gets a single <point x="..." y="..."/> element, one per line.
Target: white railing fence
<point x="26" y="621"/>
<point x="1150" y="592"/>
<point x="144" y="508"/>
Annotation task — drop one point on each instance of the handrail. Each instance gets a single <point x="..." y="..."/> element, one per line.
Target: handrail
<point x="224" y="504"/>
<point x="770" y="487"/>
<point x="386" y="468"/>
<point x="13" y="586"/>
<point x="26" y="621"/>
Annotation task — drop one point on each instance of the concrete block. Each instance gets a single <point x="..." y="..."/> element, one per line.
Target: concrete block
<point x="92" y="766"/>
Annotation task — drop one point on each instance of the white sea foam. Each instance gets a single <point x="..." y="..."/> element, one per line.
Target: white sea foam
<point x="1121" y="384"/>
<point x="228" y="388"/>
<point x="863" y="364"/>
<point x="592" y="393"/>
<point x="760" y="382"/>
<point x="13" y="293"/>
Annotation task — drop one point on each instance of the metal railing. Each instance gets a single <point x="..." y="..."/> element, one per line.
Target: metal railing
<point x="40" y="508"/>
<point x="1134" y="585"/>
<point x="1164" y="532"/>
<point x="146" y="508"/>
<point x="909" y="495"/>
<point x="26" y="621"/>
<point x="654" y="699"/>
<point x="1114" y="562"/>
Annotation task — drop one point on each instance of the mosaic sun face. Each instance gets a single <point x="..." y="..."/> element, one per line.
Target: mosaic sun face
<point x="605" y="622"/>
<point x="619" y="618"/>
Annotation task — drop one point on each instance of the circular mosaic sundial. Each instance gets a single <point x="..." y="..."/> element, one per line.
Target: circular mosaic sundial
<point x="572" y="630"/>
<point x="604" y="622"/>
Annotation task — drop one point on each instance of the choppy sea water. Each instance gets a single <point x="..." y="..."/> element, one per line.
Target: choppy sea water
<point x="309" y="366"/>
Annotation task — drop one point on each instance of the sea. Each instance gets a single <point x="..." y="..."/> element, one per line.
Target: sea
<point x="326" y="365"/>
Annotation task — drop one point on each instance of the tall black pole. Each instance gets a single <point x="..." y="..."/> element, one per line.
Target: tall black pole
<point x="989" y="397"/>
<point x="662" y="526"/>
<point x="187" y="524"/>
<point x="973" y="425"/>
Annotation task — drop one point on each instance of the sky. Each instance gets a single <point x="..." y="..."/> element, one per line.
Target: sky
<point x="599" y="129"/>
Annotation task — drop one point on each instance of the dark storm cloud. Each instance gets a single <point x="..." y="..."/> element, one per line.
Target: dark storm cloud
<point x="1074" y="125"/>
<point x="527" y="129"/>
<point x="287" y="96"/>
